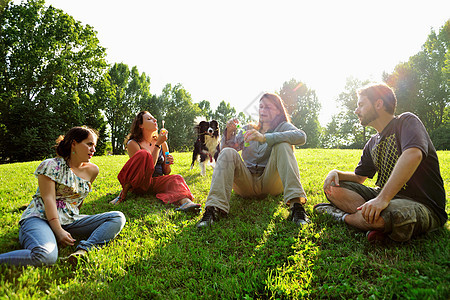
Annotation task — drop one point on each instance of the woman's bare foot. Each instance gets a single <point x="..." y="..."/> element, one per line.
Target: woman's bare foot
<point x="186" y="205"/>
<point x="122" y="195"/>
<point x="184" y="201"/>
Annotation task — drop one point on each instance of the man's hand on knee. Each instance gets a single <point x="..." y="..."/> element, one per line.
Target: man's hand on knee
<point x="372" y="209"/>
<point x="332" y="179"/>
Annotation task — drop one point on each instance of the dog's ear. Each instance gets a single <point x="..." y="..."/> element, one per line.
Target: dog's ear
<point x="214" y="123"/>
<point x="198" y="128"/>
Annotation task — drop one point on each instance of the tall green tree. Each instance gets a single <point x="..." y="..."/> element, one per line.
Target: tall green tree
<point x="139" y="91"/>
<point x="244" y="119"/>
<point x="441" y="135"/>
<point x="333" y="136"/>
<point x="205" y="109"/>
<point x="125" y="92"/>
<point x="180" y="113"/>
<point x="422" y="84"/>
<point x="223" y="113"/>
<point x="3" y="4"/>
<point x="303" y="106"/>
<point x="433" y="80"/>
<point x="154" y="105"/>
<point x="49" y="64"/>
<point x="344" y="130"/>
<point x="405" y="81"/>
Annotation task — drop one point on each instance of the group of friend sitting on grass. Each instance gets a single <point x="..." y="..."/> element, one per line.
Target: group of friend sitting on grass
<point x="409" y="199"/>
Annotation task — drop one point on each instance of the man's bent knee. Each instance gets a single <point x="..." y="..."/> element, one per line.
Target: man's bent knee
<point x="407" y="218"/>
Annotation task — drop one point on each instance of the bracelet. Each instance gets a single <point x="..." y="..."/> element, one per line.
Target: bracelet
<point x="52" y="219"/>
<point x="159" y="146"/>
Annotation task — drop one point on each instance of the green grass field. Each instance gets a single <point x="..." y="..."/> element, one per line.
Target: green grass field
<point x="254" y="253"/>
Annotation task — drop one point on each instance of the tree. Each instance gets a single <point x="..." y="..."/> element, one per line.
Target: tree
<point x="422" y="84"/>
<point x="179" y="117"/>
<point x="244" y="119"/>
<point x="405" y="82"/>
<point x="205" y="108"/>
<point x="223" y="113"/>
<point x="304" y="107"/>
<point x="3" y="4"/>
<point x="333" y="136"/>
<point x="345" y="131"/>
<point x="125" y="93"/>
<point x="138" y="91"/>
<point x="441" y="135"/>
<point x="49" y="64"/>
<point x="434" y="89"/>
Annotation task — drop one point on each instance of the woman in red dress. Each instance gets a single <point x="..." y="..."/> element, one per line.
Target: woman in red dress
<point x="148" y="169"/>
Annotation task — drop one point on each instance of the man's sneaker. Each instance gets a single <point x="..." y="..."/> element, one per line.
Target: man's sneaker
<point x="298" y="215"/>
<point x="212" y="214"/>
<point x="374" y="236"/>
<point x="330" y="209"/>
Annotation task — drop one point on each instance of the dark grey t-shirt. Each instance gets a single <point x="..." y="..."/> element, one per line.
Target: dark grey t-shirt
<point x="382" y="151"/>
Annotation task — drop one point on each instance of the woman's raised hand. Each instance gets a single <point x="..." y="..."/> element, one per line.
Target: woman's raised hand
<point x="162" y="137"/>
<point x="231" y="125"/>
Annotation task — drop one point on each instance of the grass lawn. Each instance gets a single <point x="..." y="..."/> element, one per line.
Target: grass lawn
<point x="254" y="253"/>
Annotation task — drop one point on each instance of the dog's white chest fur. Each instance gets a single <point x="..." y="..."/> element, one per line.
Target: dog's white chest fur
<point x="211" y="144"/>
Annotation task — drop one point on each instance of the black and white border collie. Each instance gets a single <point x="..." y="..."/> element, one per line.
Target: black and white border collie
<point x="207" y="145"/>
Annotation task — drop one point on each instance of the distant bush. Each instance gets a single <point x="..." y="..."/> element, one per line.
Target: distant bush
<point x="441" y="137"/>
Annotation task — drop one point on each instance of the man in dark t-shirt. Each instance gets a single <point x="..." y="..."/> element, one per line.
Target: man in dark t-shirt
<point x="410" y="196"/>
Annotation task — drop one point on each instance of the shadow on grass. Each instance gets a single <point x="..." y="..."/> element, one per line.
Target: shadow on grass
<point x="9" y="234"/>
<point x="253" y="253"/>
<point x="161" y="254"/>
<point x="348" y="265"/>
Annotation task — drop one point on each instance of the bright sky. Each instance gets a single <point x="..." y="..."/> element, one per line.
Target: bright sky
<point x="234" y="50"/>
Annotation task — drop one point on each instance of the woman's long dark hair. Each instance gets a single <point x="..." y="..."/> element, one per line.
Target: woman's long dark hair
<point x="279" y="103"/>
<point x="78" y="134"/>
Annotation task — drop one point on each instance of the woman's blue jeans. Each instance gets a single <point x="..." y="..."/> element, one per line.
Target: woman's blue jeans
<point x="40" y="245"/>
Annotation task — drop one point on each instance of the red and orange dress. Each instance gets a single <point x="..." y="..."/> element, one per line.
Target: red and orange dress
<point x="145" y="177"/>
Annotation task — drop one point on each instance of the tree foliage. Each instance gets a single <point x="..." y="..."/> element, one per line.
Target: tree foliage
<point x="53" y="76"/>
<point x="179" y="115"/>
<point x="205" y="109"/>
<point x="124" y="92"/>
<point x="243" y="118"/>
<point x="303" y="106"/>
<point x="422" y="83"/>
<point x="3" y="4"/>
<point x="344" y="130"/>
<point x="441" y="135"/>
<point x="49" y="64"/>
<point x="223" y="113"/>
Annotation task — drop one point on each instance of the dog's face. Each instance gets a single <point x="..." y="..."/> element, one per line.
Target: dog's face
<point x="210" y="128"/>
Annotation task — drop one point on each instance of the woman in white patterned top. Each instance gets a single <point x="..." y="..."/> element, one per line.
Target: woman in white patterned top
<point x="53" y="217"/>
